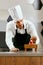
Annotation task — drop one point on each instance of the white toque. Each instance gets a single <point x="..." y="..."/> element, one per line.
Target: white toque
<point x="16" y="12"/>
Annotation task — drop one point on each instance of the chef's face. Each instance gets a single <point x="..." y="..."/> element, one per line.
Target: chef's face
<point x="19" y="24"/>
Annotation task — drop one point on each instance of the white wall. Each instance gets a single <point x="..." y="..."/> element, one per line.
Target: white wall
<point x="3" y="25"/>
<point x="4" y="14"/>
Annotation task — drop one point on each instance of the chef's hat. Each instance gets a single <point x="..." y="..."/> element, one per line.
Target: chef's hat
<point x="16" y="12"/>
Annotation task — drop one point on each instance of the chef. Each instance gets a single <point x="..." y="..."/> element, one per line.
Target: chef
<point x="19" y="31"/>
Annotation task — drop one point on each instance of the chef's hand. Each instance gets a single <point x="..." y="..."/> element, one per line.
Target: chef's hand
<point x="33" y="39"/>
<point x="14" y="50"/>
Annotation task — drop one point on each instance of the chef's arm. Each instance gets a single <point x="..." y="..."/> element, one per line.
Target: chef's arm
<point x="9" y="42"/>
<point x="8" y="39"/>
<point x="32" y="31"/>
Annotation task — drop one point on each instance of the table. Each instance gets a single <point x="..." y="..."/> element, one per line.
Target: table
<point x="21" y="58"/>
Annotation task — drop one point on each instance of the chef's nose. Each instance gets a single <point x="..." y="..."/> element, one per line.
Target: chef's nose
<point x="21" y="23"/>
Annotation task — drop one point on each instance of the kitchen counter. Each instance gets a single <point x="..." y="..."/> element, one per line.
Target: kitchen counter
<point x="21" y="58"/>
<point x="22" y="53"/>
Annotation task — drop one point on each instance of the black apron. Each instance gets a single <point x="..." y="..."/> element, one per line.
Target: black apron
<point x="20" y="39"/>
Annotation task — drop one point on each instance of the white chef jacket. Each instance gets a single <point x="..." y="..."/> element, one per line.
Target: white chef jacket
<point x="11" y="32"/>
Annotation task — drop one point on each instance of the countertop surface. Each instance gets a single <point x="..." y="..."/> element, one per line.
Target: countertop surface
<point x="22" y="53"/>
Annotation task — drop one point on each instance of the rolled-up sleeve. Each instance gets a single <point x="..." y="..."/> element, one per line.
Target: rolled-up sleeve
<point x="8" y="37"/>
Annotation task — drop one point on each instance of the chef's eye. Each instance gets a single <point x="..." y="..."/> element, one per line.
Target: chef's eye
<point x="18" y="22"/>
